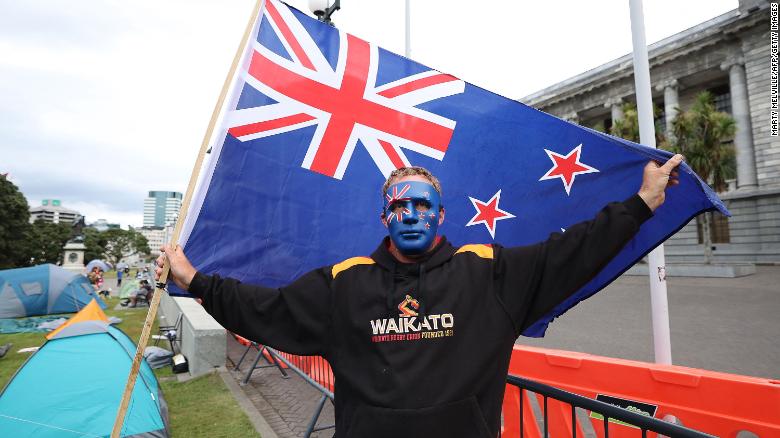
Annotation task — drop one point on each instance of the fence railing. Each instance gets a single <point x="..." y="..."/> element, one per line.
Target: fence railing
<point x="559" y="395"/>
<point x="607" y="411"/>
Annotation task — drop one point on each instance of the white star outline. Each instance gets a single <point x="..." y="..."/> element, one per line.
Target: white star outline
<point x="578" y="151"/>
<point x="492" y="231"/>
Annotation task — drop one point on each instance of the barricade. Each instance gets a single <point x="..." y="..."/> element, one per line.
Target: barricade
<point x="720" y="404"/>
<point x="316" y="371"/>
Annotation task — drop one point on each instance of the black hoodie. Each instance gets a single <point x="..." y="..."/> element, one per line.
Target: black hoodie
<point x="422" y="350"/>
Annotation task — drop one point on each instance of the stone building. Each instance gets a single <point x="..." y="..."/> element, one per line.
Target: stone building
<point x="729" y="56"/>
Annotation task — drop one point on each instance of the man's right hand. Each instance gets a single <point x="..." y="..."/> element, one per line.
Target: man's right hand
<point x="181" y="271"/>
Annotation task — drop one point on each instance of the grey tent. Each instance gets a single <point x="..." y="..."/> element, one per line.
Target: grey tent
<point x="43" y="290"/>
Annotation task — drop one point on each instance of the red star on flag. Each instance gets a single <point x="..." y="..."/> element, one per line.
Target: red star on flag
<point x="488" y="213"/>
<point x="567" y="167"/>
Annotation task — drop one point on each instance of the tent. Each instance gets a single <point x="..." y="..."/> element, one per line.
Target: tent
<point x="43" y="290"/>
<point x="73" y="384"/>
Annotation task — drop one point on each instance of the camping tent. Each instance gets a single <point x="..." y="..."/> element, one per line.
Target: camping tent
<point x="43" y="290"/>
<point x="73" y="384"/>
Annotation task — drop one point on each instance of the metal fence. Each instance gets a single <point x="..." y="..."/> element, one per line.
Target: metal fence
<point x="606" y="410"/>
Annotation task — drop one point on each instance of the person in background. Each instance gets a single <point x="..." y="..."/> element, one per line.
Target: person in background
<point x="144" y="290"/>
<point x="119" y="274"/>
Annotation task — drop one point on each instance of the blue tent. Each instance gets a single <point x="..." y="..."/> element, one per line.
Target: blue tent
<point x="73" y="384"/>
<point x="43" y="290"/>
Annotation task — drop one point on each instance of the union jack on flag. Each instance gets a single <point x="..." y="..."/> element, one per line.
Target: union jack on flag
<point x="318" y="118"/>
<point x="344" y="101"/>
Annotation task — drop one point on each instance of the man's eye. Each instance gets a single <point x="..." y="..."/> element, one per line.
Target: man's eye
<point x="396" y="207"/>
<point x="422" y="206"/>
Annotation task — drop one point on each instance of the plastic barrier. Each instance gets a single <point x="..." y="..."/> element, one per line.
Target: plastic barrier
<point x="716" y="403"/>
<point x="315" y="367"/>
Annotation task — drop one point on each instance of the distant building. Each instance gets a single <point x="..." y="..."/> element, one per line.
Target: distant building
<point x="161" y="208"/>
<point x="729" y="56"/>
<point x="156" y="236"/>
<point x="103" y="225"/>
<point x="51" y="210"/>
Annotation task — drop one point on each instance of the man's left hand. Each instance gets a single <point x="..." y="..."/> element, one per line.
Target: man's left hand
<point x="656" y="179"/>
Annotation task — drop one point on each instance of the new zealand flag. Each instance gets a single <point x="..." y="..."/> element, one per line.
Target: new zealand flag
<point x="318" y="120"/>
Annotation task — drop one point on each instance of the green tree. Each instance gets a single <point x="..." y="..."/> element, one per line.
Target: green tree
<point x="14" y="226"/>
<point x="46" y="240"/>
<point x="702" y="135"/>
<point x="628" y="126"/>
<point x="114" y="244"/>
<point x="95" y="243"/>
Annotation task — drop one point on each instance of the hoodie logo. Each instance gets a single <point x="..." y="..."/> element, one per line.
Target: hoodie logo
<point x="404" y="307"/>
<point x="410" y="326"/>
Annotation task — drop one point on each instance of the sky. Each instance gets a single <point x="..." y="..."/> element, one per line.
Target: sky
<point x="102" y="101"/>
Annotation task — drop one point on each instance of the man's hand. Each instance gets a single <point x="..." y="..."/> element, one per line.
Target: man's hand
<point x="656" y="179"/>
<point x="181" y="271"/>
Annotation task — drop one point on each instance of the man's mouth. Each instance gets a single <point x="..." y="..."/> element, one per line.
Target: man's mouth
<point x="411" y="234"/>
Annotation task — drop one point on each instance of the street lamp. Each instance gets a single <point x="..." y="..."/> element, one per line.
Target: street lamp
<point x="323" y="9"/>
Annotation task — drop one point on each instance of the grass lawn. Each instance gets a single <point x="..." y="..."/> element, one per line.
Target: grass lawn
<point x="201" y="407"/>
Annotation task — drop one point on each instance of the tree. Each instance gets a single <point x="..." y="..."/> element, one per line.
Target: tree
<point x="114" y="244"/>
<point x="46" y="240"/>
<point x="14" y="225"/>
<point x="628" y="126"/>
<point x="95" y="243"/>
<point x="701" y="134"/>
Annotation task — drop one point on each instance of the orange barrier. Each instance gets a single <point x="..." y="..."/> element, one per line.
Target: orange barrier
<point x="315" y="367"/>
<point x="716" y="403"/>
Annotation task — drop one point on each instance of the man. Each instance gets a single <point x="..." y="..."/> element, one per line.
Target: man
<point x="119" y="274"/>
<point x="419" y="335"/>
<point x="145" y="290"/>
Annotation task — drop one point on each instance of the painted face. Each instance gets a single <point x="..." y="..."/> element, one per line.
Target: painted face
<point x="412" y="216"/>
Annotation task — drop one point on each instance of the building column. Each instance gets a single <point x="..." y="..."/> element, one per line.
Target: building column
<point x="740" y="109"/>
<point x="671" y="104"/>
<point x="615" y="105"/>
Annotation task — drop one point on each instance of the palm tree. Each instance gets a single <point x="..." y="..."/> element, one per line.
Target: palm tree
<point x="702" y="135"/>
<point x="628" y="126"/>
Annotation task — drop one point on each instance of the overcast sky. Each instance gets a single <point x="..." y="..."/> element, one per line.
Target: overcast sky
<point x="102" y="101"/>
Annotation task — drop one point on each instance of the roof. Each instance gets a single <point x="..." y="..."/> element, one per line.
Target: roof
<point x="702" y="31"/>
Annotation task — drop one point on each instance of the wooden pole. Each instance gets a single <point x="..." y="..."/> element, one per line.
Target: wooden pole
<point x="152" y="313"/>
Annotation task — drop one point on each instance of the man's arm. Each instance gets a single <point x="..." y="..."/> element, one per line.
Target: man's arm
<point x="294" y="318"/>
<point x="536" y="278"/>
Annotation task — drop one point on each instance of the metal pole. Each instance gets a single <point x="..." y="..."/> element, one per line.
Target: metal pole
<point x="656" y="260"/>
<point x="408" y="47"/>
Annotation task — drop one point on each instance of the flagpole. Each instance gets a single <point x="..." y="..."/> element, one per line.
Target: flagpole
<point x="408" y="32"/>
<point x="152" y="313"/>
<point x="656" y="261"/>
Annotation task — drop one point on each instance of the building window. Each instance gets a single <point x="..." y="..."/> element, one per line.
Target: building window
<point x="722" y="98"/>
<point x="719" y="228"/>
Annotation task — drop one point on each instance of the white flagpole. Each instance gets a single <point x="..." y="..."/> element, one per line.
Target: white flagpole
<point x="656" y="260"/>
<point x="408" y="33"/>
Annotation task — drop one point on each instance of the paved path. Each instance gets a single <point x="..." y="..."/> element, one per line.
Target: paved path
<point x="721" y="324"/>
<point x="286" y="405"/>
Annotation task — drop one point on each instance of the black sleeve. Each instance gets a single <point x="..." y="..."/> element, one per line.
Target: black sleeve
<point x="534" y="279"/>
<point x="294" y="318"/>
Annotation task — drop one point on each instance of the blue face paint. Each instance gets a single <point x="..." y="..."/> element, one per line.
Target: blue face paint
<point x="412" y="211"/>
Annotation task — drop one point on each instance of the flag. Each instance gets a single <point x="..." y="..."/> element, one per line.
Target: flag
<point x="319" y="118"/>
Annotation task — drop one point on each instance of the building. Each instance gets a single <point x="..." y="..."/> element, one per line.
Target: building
<point x="156" y="236"/>
<point x="161" y="208"/>
<point x="51" y="210"/>
<point x="729" y="56"/>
